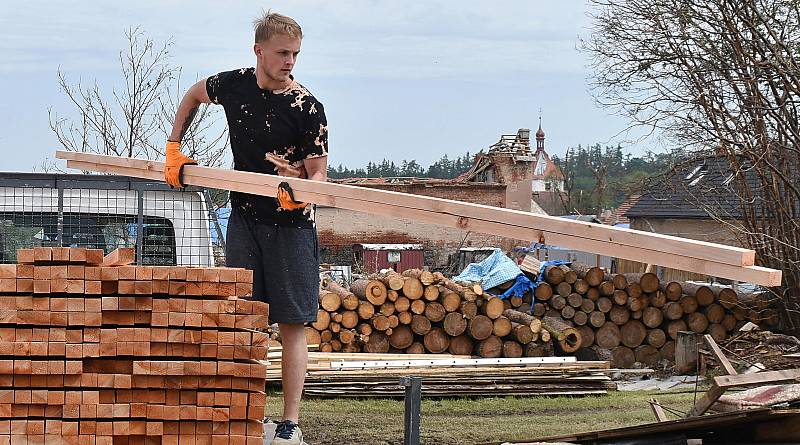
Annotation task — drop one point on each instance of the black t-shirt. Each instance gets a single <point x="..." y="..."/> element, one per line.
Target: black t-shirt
<point x="289" y="123"/>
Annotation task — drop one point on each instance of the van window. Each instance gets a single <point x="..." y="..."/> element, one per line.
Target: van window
<point x="96" y="231"/>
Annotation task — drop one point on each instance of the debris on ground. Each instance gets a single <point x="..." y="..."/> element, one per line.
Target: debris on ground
<point x="762" y="350"/>
<point x="677" y="382"/>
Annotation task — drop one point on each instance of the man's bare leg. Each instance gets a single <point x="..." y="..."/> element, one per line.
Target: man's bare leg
<point x="294" y="361"/>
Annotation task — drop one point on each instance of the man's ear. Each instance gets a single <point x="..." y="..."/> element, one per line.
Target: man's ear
<point x="257" y="49"/>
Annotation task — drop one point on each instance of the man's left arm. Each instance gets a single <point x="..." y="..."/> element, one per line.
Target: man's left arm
<point x="317" y="168"/>
<point x="315" y="144"/>
<point x="313" y="153"/>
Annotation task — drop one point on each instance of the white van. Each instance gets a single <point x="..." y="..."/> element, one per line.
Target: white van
<point x="168" y="227"/>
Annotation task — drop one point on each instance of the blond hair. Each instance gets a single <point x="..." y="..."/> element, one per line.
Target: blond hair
<point x="272" y="23"/>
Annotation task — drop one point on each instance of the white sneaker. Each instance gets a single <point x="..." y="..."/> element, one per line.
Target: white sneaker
<point x="288" y="433"/>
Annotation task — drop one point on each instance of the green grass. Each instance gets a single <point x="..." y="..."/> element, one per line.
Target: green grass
<point x="477" y="420"/>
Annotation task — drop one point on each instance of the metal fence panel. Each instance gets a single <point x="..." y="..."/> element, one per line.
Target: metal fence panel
<point x="168" y="227"/>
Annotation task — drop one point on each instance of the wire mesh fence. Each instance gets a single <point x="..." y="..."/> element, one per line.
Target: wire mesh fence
<point x="166" y="226"/>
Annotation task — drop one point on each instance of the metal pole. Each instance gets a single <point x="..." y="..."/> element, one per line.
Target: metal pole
<point x="413" y="401"/>
<point x="60" y="221"/>
<point x="140" y="226"/>
<point x="213" y="217"/>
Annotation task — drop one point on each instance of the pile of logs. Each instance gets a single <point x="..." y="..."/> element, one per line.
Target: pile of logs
<point x="128" y="354"/>
<point x="419" y="311"/>
<point x="575" y="310"/>
<point x="630" y="318"/>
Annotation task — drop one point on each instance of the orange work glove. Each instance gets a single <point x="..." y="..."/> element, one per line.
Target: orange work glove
<point x="174" y="165"/>
<point x="286" y="197"/>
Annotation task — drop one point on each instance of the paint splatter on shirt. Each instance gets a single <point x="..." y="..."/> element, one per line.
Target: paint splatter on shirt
<point x="289" y="123"/>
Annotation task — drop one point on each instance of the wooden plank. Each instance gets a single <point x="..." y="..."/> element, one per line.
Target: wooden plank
<point x="752" y="274"/>
<point x="434" y="362"/>
<point x="709" y="258"/>
<point x="8" y="271"/>
<point x="267" y="184"/>
<point x="759" y="378"/>
<point x="94" y="257"/>
<point x="721" y="359"/>
<point x="658" y="411"/>
<point x="42" y="254"/>
<point x="712" y="395"/>
<point x="77" y="255"/>
<point x="121" y="256"/>
<point x="25" y="256"/>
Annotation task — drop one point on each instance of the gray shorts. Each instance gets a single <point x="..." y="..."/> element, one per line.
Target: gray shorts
<point x="285" y="264"/>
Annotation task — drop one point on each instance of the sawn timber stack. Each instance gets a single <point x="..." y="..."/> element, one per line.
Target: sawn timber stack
<point x="128" y="354"/>
<point x="377" y="375"/>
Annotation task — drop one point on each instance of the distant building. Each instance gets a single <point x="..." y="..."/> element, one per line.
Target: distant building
<point x="504" y="176"/>
<point x="534" y="182"/>
<point x="340" y="229"/>
<point x="617" y="216"/>
<point x="695" y="200"/>
<point x="547" y="177"/>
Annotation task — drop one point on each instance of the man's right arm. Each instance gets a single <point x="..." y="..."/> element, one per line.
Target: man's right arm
<point x="194" y="97"/>
<point x="174" y="159"/>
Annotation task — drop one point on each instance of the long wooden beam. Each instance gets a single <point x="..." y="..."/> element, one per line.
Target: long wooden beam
<point x="679" y="253"/>
<point x="735" y="256"/>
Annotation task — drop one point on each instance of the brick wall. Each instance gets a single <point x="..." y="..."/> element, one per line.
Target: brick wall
<point x="477" y="193"/>
<point x="508" y="170"/>
<point x="339" y="229"/>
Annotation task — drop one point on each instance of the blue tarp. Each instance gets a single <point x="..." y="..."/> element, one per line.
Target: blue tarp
<point x="522" y="285"/>
<point x="496" y="269"/>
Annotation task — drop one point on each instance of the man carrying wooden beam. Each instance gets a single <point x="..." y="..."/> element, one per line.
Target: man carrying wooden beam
<point x="276" y="127"/>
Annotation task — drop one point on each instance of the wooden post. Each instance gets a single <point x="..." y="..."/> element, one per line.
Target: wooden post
<point x="686" y="351"/>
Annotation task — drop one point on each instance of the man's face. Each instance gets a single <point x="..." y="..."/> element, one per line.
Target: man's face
<point x="277" y="56"/>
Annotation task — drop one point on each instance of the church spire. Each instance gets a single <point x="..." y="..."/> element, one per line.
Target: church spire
<point x="540" y="134"/>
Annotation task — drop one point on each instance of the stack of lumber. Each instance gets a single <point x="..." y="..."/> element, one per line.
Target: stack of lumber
<point x="128" y="354"/>
<point x="630" y="318"/>
<point x="378" y="375"/>
<point x="418" y="311"/>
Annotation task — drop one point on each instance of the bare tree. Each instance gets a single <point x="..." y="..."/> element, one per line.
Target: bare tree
<point x="721" y="77"/>
<point x="136" y="120"/>
<point x="567" y="196"/>
<point x="600" y="174"/>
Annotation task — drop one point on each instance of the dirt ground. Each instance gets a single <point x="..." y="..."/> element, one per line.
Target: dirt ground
<point x="476" y="420"/>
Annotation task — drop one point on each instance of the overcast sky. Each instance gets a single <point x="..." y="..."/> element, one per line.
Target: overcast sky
<point x="399" y="80"/>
